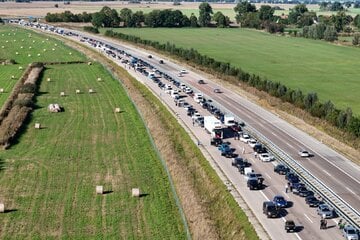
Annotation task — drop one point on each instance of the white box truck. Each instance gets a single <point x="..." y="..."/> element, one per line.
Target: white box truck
<point x="229" y="120"/>
<point x="213" y="126"/>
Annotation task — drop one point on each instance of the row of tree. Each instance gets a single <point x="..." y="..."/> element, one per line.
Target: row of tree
<point x="248" y="16"/>
<point x="343" y="119"/>
<point x="320" y="31"/>
<point x="68" y="16"/>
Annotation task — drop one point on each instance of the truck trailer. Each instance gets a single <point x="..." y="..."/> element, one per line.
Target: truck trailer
<point x="213" y="126"/>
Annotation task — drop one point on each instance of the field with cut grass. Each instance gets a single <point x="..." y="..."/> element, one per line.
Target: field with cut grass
<point x="48" y="178"/>
<point x="312" y="66"/>
<point x="30" y="47"/>
<point x="6" y="81"/>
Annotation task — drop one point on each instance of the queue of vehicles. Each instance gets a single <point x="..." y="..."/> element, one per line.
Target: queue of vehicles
<point x="254" y="180"/>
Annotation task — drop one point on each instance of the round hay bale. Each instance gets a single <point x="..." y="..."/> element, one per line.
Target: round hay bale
<point x="12" y="77"/>
<point x="62" y="94"/>
<point x="2" y="46"/>
<point x="53" y="49"/>
<point x="89" y="63"/>
<point x="48" y="79"/>
<point x="37" y="126"/>
<point x="117" y="110"/>
<point x="29" y="55"/>
<point x="33" y="41"/>
<point x="135" y="192"/>
<point x="44" y="50"/>
<point x="17" y="53"/>
<point x="99" y="79"/>
<point x="7" y="41"/>
<point x="91" y="90"/>
<point x="55" y="44"/>
<point x="70" y="53"/>
<point x="20" y="68"/>
<point x="78" y="91"/>
<point x="38" y="54"/>
<point x="2" y="208"/>
<point x="21" y="47"/>
<point x="1" y="90"/>
<point x="99" y="189"/>
<point x="30" y="47"/>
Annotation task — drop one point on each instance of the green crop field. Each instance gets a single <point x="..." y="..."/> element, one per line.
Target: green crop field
<point x="48" y="178"/>
<point x="312" y="66"/>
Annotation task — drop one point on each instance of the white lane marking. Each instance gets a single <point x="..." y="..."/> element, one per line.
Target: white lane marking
<point x="297" y="235"/>
<point x="293" y="137"/>
<point x="327" y="172"/>
<point x="290" y="145"/>
<point x="308" y="218"/>
<point x="274" y="134"/>
<point x="264" y="196"/>
<point x="268" y="175"/>
<point x="350" y="190"/>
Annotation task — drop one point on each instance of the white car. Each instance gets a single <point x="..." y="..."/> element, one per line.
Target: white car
<point x="245" y="138"/>
<point x="265" y="157"/>
<point x="304" y="153"/>
<point x="252" y="142"/>
<point x="183" y="71"/>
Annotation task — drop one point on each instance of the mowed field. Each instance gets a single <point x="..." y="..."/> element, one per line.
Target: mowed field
<point x="312" y="66"/>
<point x="48" y="178"/>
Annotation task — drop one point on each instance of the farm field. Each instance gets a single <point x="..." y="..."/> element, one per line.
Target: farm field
<point x="48" y="178"/>
<point x="6" y="81"/>
<point x="310" y="65"/>
<point x="32" y="47"/>
<point x="28" y="45"/>
<point x="40" y="9"/>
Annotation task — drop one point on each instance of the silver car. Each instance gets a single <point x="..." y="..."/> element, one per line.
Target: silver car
<point x="325" y="211"/>
<point x="350" y="233"/>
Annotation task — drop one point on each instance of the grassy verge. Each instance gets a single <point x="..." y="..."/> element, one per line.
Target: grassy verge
<point x="211" y="211"/>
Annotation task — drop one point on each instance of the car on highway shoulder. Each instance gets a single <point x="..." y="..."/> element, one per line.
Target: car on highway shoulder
<point x="304" y="153"/>
<point x="312" y="201"/>
<point x="281" y="169"/>
<point x="280" y="201"/>
<point x="325" y="211"/>
<point x="245" y="138"/>
<point x="201" y="81"/>
<point x="183" y="71"/>
<point x="161" y="61"/>
<point x="350" y="233"/>
<point x="149" y="56"/>
<point x="266" y="157"/>
<point x="252" y="142"/>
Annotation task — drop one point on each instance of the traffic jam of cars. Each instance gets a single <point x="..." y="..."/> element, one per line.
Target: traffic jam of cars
<point x="222" y="126"/>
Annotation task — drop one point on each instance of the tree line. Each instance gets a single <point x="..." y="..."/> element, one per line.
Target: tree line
<point x="342" y="119"/>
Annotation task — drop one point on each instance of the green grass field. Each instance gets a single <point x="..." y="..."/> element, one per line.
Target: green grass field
<point x="6" y="81"/>
<point x="48" y="178"/>
<point x="313" y="66"/>
<point x="40" y="48"/>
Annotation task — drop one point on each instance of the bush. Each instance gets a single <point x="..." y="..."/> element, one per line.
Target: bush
<point x="28" y="88"/>
<point x="24" y="103"/>
<point x="91" y="29"/>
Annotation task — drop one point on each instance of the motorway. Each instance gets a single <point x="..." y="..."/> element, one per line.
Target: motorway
<point x="331" y="168"/>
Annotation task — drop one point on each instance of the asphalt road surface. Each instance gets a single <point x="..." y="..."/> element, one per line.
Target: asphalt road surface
<point x="337" y="172"/>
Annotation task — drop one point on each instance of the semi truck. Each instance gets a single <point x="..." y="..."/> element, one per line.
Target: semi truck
<point x="213" y="126"/>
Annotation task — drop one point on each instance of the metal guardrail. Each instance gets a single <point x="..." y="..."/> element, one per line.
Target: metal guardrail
<point x="351" y="215"/>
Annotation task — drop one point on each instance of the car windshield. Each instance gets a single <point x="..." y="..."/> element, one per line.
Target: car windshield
<point x="351" y="231"/>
